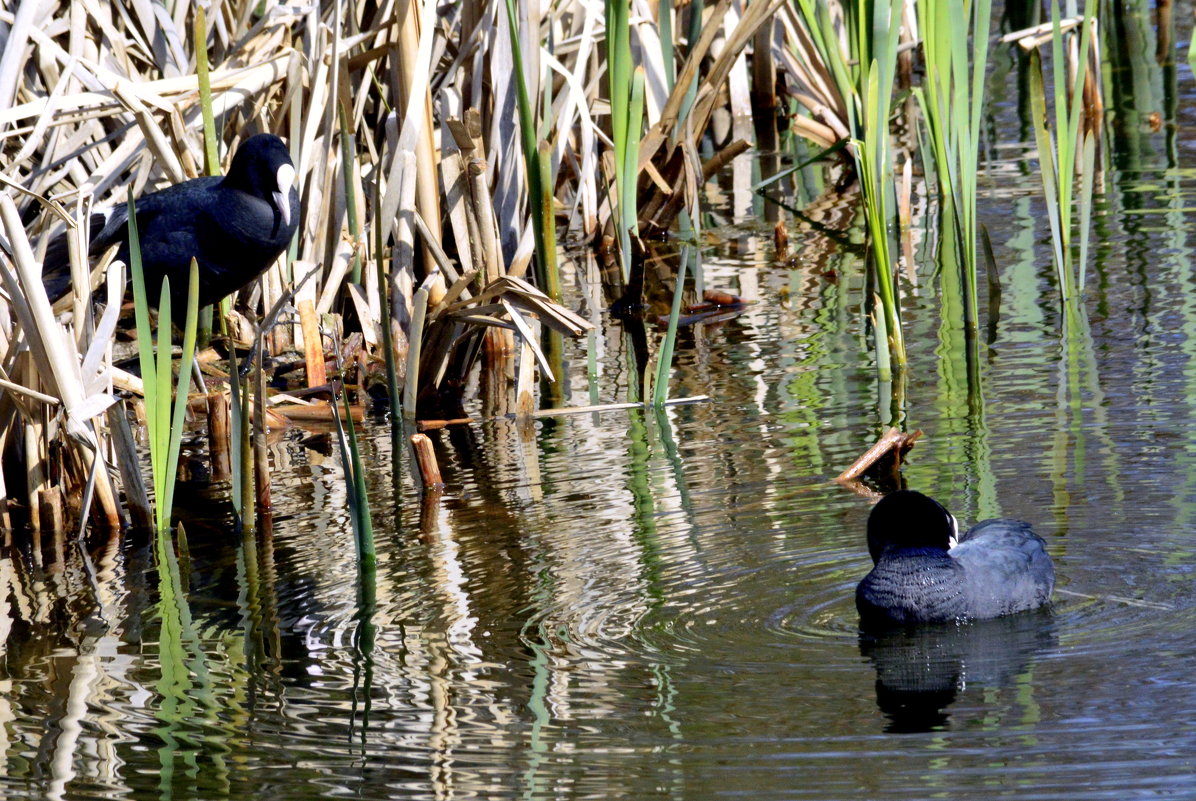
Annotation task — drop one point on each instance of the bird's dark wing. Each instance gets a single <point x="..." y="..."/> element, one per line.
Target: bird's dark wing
<point x="110" y="227"/>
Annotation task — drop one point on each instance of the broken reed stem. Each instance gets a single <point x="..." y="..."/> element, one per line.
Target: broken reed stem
<point x="248" y="516"/>
<point x="261" y="455"/>
<point x="483" y="212"/>
<point x="220" y="460"/>
<point x="313" y="345"/>
<point x="780" y="240"/>
<point x="130" y="470"/>
<point x="894" y="441"/>
<point x="525" y="376"/>
<point x="415" y="338"/>
<point x="425" y="457"/>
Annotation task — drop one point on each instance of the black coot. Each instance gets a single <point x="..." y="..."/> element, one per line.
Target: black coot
<point x="921" y="575"/>
<point x="235" y="226"/>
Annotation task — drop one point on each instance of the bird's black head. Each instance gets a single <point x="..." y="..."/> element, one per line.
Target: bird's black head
<point x="908" y="519"/>
<point x="262" y="167"/>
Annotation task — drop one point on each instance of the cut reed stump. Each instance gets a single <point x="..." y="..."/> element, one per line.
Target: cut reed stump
<point x="218" y="436"/>
<point x="780" y="240"/>
<point x="136" y="496"/>
<point x="425" y="457"/>
<point x="894" y="444"/>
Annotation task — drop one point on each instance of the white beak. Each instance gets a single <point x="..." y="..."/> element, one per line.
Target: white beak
<point x="282" y="198"/>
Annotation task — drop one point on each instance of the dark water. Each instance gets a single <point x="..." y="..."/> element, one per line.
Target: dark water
<point x="628" y="605"/>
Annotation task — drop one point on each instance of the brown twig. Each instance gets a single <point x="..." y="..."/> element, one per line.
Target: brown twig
<point x="894" y="441"/>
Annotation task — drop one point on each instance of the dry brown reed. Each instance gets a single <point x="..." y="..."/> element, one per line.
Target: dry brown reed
<point x="407" y="102"/>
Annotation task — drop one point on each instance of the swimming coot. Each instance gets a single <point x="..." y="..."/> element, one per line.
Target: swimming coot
<point x="235" y="226"/>
<point x="922" y="575"/>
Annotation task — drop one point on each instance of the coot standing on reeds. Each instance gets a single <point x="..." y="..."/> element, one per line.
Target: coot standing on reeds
<point x="235" y="226"/>
<point x="922" y="575"/>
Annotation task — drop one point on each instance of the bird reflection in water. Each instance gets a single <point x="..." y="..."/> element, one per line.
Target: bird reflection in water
<point x="922" y="670"/>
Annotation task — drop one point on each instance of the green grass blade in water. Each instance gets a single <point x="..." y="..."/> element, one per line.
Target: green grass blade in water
<point x="664" y="364"/>
<point x="160" y="414"/>
<point x="180" y="401"/>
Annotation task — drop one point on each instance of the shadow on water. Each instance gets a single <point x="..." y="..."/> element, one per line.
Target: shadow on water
<point x="923" y="670"/>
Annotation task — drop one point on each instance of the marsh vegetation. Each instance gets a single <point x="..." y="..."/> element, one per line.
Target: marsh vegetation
<point x="513" y="211"/>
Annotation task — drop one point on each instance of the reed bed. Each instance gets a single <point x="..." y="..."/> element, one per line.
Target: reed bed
<point x="424" y="204"/>
<point x="445" y="153"/>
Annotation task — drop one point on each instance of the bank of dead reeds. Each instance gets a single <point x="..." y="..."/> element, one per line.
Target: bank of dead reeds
<point x="419" y="249"/>
<point x="400" y="120"/>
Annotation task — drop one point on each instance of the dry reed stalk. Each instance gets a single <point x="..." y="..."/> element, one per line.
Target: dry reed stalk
<point x="261" y="454"/>
<point x="526" y="376"/>
<point x="425" y="458"/>
<point x="313" y="348"/>
<point x="905" y="191"/>
<point x="658" y="210"/>
<point x="456" y="191"/>
<point x="316" y="413"/>
<point x="764" y="81"/>
<point x="412" y="67"/>
<point x="53" y="349"/>
<point x="125" y="446"/>
<point x="219" y="431"/>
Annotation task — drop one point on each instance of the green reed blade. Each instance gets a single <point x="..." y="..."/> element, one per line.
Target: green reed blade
<point x="180" y="401"/>
<point x="635" y="118"/>
<point x="619" y="67"/>
<point x="664" y="364"/>
<point x="211" y="150"/>
<point x="145" y="345"/>
<point x="549" y="278"/>
<point x="696" y="8"/>
<point x="354" y="470"/>
<point x="364" y="525"/>
<point x="820" y="26"/>
<point x="350" y="185"/>
<point x="211" y="155"/>
<point x="1046" y="167"/>
<point x="1087" y="178"/>
<point x="527" y="132"/>
<point x="160" y="415"/>
<point x="664" y="23"/>
<point x="1192" y="55"/>
<point x="622" y="115"/>
<point x="952" y="99"/>
<point x="1064" y="145"/>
